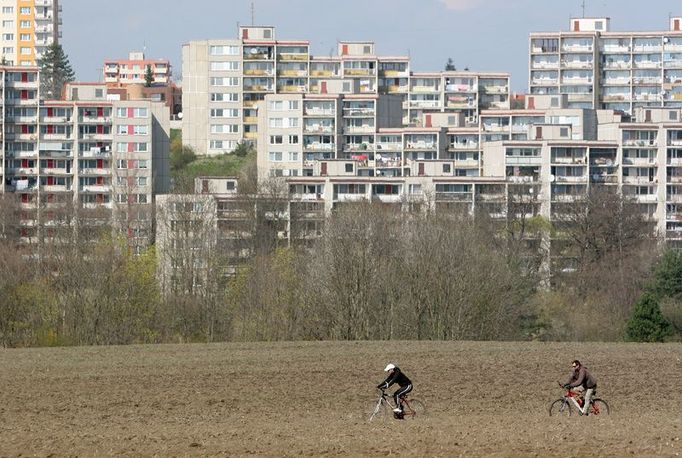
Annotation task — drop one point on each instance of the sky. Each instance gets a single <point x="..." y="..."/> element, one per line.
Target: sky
<point x="483" y="35"/>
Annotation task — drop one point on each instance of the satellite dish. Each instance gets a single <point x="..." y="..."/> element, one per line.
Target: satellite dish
<point x="552" y="178"/>
<point x="253" y="51"/>
<point x="609" y="162"/>
<point x="666" y="39"/>
<point x="180" y="115"/>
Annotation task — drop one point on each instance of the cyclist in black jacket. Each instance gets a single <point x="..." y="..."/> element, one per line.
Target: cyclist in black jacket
<point x="395" y="375"/>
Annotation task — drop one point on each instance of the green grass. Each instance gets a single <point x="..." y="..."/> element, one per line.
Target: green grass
<point x="225" y="165"/>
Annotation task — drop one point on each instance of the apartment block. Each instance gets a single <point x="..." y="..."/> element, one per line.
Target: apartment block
<point x="134" y="69"/>
<point x="92" y="153"/>
<point x="224" y="81"/>
<point x="28" y="28"/>
<point x="596" y="67"/>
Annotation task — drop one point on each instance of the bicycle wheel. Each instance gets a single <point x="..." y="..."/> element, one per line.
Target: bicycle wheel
<point x="416" y="409"/>
<point x="560" y="408"/>
<point x="376" y="411"/>
<point x="599" y="407"/>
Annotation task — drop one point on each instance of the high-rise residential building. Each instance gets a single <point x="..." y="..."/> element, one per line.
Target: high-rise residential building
<point x="87" y="151"/>
<point x="604" y="69"/>
<point x="134" y="69"/>
<point x="224" y="80"/>
<point x="28" y="28"/>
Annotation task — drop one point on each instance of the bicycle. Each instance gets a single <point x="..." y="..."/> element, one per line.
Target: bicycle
<point x="564" y="405"/>
<point x="412" y="408"/>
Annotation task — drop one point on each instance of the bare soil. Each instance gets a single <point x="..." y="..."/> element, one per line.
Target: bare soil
<point x="309" y="398"/>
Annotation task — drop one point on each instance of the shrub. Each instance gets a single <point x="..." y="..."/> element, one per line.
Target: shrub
<point x="647" y="323"/>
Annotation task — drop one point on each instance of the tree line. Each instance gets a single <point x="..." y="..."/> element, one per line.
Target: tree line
<point x="597" y="272"/>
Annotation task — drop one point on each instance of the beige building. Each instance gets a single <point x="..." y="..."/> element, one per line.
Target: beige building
<point x="28" y="28"/>
<point x="596" y="67"/>
<point x="224" y="80"/>
<point x="95" y="153"/>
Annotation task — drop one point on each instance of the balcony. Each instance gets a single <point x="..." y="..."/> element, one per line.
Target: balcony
<point x="328" y="73"/>
<point x="55" y="171"/>
<point x="319" y="147"/>
<point x="637" y="142"/>
<point x="548" y="65"/>
<point x="95" y="153"/>
<point x="674" y="198"/>
<point x="571" y="179"/>
<point x="576" y="64"/>
<point x="324" y="112"/>
<point x="96" y="171"/>
<point x="55" y="188"/>
<point x="97" y="188"/>
<point x="258" y="72"/>
<point x="463" y="145"/>
<point x="339" y="197"/>
<point x="574" y="160"/>
<point x="617" y="64"/>
<point x="351" y="130"/>
<point x="318" y="129"/>
<point x="387" y="198"/>
<point x="293" y="73"/>
<point x="291" y="89"/>
<point x="63" y="136"/>
<point x="639" y="160"/>
<point x="89" y="119"/>
<point x="21" y="102"/>
<point x="359" y="72"/>
<point x="257" y="88"/>
<point x="454" y="196"/>
<point x="494" y="89"/>
<point x="257" y="56"/>
<point x="97" y="137"/>
<point x="358" y="112"/>
<point x="425" y="89"/>
<point x="647" y="64"/>
<point x="420" y="146"/>
<point x="425" y="103"/>
<point x="392" y="89"/>
<point x="292" y="56"/>
<point x="638" y="180"/>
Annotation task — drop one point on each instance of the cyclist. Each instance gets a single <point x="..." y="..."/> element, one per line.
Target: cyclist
<point x="582" y="379"/>
<point x="395" y="375"/>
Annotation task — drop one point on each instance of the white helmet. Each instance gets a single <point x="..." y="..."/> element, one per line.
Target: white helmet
<point x="389" y="367"/>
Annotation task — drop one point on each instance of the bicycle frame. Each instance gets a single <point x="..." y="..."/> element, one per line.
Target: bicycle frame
<point x="384" y="398"/>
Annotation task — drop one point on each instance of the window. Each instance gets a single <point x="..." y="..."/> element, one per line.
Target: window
<point x="224" y="50"/>
<point x="226" y="81"/>
<point x="293" y="156"/>
<point x="672" y="115"/>
<point x="141" y="181"/>
<point x="293" y="139"/>
<point x="554" y="102"/>
<point x="224" y="97"/>
<point x="8" y="36"/>
<point x="267" y="33"/>
<point x="224" y="128"/>
<point x="276" y="122"/>
<point x="224" y="113"/>
<point x="25" y="37"/>
<point x="121" y="164"/>
<point x="25" y="51"/>
<point x="99" y="93"/>
<point x="563" y="132"/>
<point x="25" y="24"/>
<point x="275" y="139"/>
<point x="349" y="168"/>
<point x="275" y="156"/>
<point x="7" y="10"/>
<point x="367" y="50"/>
<point x="446" y="168"/>
<point x="599" y="25"/>
<point x="224" y="66"/>
<point x="8" y="24"/>
<point x="25" y="10"/>
<point x="346" y="86"/>
<point x="121" y="112"/>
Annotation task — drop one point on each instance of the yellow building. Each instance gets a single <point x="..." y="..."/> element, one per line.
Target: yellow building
<point x="28" y="27"/>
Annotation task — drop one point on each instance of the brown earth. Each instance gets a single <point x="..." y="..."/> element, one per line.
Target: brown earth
<point x="308" y="398"/>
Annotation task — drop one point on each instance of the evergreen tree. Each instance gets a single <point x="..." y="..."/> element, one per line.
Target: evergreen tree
<point x="148" y="76"/>
<point x="55" y="70"/>
<point x="647" y="324"/>
<point x="450" y="65"/>
<point x="667" y="281"/>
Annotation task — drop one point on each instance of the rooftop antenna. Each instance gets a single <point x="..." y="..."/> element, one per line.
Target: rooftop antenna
<point x="583" y="6"/>
<point x="253" y="13"/>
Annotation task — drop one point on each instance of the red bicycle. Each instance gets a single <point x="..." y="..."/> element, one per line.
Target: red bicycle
<point x="564" y="405"/>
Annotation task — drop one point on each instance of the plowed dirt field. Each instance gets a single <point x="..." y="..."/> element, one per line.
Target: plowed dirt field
<point x="308" y="399"/>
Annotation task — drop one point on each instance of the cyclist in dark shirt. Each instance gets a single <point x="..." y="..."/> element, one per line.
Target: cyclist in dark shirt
<point x="395" y="375"/>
